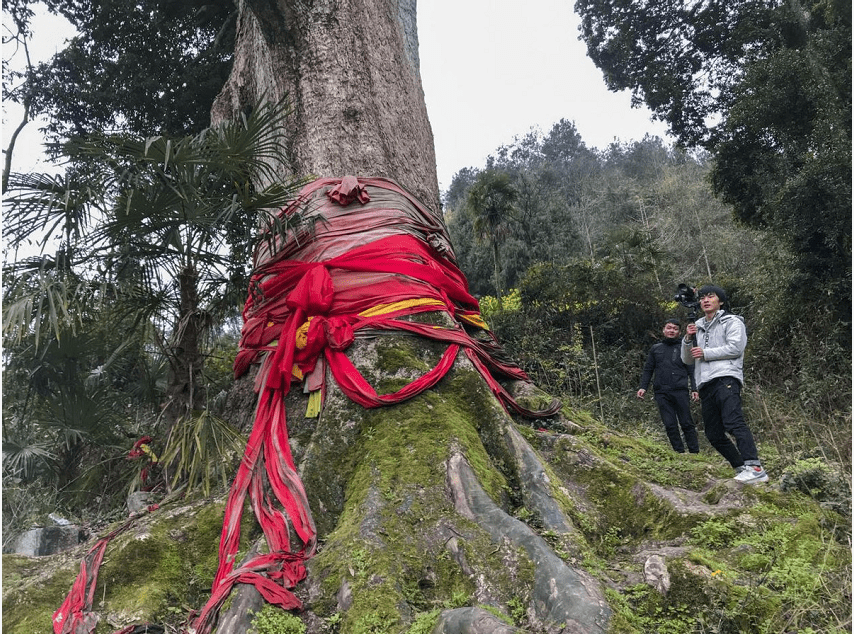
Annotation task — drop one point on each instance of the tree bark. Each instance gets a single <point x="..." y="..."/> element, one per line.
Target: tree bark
<point x="351" y="71"/>
<point x="184" y="353"/>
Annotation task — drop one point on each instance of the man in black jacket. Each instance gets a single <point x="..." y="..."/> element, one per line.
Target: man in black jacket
<point x="672" y="378"/>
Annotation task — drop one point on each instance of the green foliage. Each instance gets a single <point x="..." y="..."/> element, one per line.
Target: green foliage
<point x="681" y="59"/>
<point x="517" y="610"/>
<point x="424" y="622"/>
<point x="153" y="259"/>
<point x="565" y="311"/>
<point x="201" y="450"/>
<point x="816" y="478"/>
<point x="273" y="620"/>
<point x="490" y="202"/>
<point x="39" y="299"/>
<point x="777" y="563"/>
<point x="802" y="193"/>
<point x="490" y="306"/>
<point x="139" y="67"/>
<point x="69" y="408"/>
<point x="648" y="221"/>
<point x="714" y="533"/>
<point x="642" y="609"/>
<point x="334" y="621"/>
<point x="765" y="87"/>
<point x="150" y="574"/>
<point x="790" y="559"/>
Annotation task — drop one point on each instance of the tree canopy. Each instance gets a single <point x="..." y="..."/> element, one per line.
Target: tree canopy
<point x="765" y="85"/>
<point x="145" y="67"/>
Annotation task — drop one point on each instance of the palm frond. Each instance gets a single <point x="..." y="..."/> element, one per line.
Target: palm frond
<point x="44" y="297"/>
<point x="201" y="447"/>
<point x="78" y="415"/>
<point x="25" y="458"/>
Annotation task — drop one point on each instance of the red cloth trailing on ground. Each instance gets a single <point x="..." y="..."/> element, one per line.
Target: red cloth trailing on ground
<point x="75" y="615"/>
<point x="365" y="255"/>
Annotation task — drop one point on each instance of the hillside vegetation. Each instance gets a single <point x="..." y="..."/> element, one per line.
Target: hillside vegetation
<point x="593" y="245"/>
<point x="589" y="264"/>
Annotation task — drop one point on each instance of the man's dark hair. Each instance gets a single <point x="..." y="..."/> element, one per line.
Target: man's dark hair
<point x="711" y="288"/>
<point x="673" y="320"/>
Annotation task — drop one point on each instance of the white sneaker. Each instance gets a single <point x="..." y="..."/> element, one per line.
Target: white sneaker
<point x="752" y="474"/>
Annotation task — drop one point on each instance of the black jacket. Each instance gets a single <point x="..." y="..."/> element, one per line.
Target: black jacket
<point x="671" y="374"/>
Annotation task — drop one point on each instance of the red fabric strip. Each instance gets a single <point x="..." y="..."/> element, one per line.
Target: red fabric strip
<point x="75" y="615"/>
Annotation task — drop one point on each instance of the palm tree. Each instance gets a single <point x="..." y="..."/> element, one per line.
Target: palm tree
<point x="491" y="201"/>
<point x="157" y="229"/>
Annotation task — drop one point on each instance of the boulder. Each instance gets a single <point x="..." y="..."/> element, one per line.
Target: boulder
<point x="45" y="540"/>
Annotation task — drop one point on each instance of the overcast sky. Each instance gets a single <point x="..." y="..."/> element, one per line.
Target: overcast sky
<point x="491" y="70"/>
<point x="50" y="34"/>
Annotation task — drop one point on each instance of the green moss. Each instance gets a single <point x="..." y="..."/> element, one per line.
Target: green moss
<point x="707" y="559"/>
<point x="724" y="599"/>
<point x="627" y="511"/>
<point x="151" y="573"/>
<point x="150" y="576"/>
<point x="718" y="532"/>
<point x="426" y="426"/>
<point x="580" y="417"/>
<point x="273" y="620"/>
<point x="777" y="570"/>
<point x="399" y="360"/>
<point x="652" y="461"/>
<point x="640" y="609"/>
<point x="501" y="616"/>
<point x="389" y="544"/>
<point x="383" y="618"/>
<point x="30" y="597"/>
<point x="398" y="355"/>
<point x="715" y="493"/>
<point x="462" y="402"/>
<point x="693" y="603"/>
<point x="140" y="576"/>
<point x="413" y="444"/>
<point x="777" y="562"/>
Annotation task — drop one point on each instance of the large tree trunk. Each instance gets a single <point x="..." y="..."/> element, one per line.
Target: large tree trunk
<point x="351" y="71"/>
<point x="412" y="502"/>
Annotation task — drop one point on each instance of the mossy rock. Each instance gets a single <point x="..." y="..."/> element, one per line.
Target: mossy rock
<point x="163" y="562"/>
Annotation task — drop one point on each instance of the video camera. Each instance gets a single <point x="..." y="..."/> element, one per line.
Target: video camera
<point x="687" y="296"/>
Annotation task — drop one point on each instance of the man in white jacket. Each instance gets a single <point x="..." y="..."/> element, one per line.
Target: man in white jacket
<point x="715" y="344"/>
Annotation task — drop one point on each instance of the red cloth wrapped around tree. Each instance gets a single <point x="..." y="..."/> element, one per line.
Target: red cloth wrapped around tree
<point x="365" y="254"/>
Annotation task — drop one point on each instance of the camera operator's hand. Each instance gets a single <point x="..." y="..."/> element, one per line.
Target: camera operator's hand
<point x="698" y="353"/>
<point x="691" y="330"/>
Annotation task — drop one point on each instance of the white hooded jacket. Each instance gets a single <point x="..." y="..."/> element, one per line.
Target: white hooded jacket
<point x="723" y="340"/>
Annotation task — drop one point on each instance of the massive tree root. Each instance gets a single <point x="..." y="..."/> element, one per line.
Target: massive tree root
<point x="398" y="457"/>
<point x="406" y="525"/>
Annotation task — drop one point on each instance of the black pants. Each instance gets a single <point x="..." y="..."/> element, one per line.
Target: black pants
<point x="722" y="415"/>
<point x="675" y="410"/>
